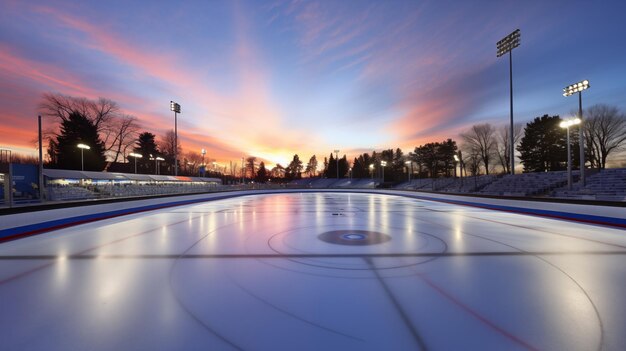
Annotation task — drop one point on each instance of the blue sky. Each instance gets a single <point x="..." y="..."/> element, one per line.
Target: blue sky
<point x="270" y="79"/>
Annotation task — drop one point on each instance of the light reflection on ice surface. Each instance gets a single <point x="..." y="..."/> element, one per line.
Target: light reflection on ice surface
<point x="252" y="273"/>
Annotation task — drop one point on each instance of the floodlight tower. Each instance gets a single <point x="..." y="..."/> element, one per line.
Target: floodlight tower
<point x="337" y="162"/>
<point x="571" y="90"/>
<point x="174" y="107"/>
<point x="506" y="45"/>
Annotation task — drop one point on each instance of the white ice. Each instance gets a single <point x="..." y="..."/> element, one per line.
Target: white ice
<point x="251" y="273"/>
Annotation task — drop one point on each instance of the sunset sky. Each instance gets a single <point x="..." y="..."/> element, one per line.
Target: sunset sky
<point x="274" y="78"/>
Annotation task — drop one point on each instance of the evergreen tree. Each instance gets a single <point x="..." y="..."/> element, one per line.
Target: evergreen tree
<point x="77" y="129"/>
<point x="543" y="146"/>
<point x="261" y="174"/>
<point x="331" y="168"/>
<point x="294" y="170"/>
<point x="344" y="166"/>
<point x="311" y="167"/>
<point x="145" y="146"/>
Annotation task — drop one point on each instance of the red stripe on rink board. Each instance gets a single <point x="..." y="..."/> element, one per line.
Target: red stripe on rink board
<point x="476" y="315"/>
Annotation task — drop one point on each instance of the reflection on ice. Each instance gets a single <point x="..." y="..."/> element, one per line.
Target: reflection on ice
<point x="252" y="273"/>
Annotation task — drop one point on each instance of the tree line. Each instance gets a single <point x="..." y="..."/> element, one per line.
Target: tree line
<point x="483" y="149"/>
<point x="112" y="136"/>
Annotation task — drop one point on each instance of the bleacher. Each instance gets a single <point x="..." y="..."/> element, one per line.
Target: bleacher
<point x="69" y="192"/>
<point x="467" y="184"/>
<point x="608" y="184"/>
<point x="526" y="184"/>
<point x="64" y="185"/>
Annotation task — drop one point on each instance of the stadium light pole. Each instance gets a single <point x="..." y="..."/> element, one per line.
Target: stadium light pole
<point x="337" y="161"/>
<point x="174" y="107"/>
<point x="571" y="90"/>
<point x="566" y="124"/>
<point x="506" y="45"/>
<point x="372" y="170"/>
<point x="135" y="156"/>
<point x="82" y="147"/>
<point x="383" y="164"/>
<point x="456" y="160"/>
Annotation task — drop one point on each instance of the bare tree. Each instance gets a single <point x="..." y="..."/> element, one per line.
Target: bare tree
<point x="605" y="129"/>
<point x="100" y="112"/>
<point x="503" y="144"/>
<point x="114" y="128"/>
<point x="481" y="139"/>
<point x="120" y="135"/>
<point x="167" y="145"/>
<point x="192" y="161"/>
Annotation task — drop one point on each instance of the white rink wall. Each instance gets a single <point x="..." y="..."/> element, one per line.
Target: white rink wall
<point x="562" y="210"/>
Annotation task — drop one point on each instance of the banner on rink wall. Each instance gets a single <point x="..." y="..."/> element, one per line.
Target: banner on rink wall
<point x="25" y="179"/>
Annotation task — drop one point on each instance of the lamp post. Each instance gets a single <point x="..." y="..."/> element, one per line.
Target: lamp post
<point x="409" y="171"/>
<point x="82" y="147"/>
<point x="242" y="171"/>
<point x="566" y="124"/>
<point x="506" y="45"/>
<point x="383" y="163"/>
<point x="372" y="170"/>
<point x="350" y="173"/>
<point x="135" y="156"/>
<point x="174" y="107"/>
<point x="203" y="152"/>
<point x="337" y="160"/>
<point x="157" y="165"/>
<point x="40" y="158"/>
<point x="456" y="160"/>
<point x="571" y="90"/>
<point x="459" y="157"/>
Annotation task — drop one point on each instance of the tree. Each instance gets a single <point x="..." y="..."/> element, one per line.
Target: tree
<point x="605" y="130"/>
<point x="397" y="165"/>
<point x="250" y="167"/>
<point x="147" y="148"/>
<point x="294" y="169"/>
<point x="261" y="174"/>
<point x="344" y="166"/>
<point x="503" y="144"/>
<point x="120" y="136"/>
<point x="331" y="167"/>
<point x="426" y="156"/>
<point x="278" y="171"/>
<point x="167" y="147"/>
<point x="445" y="156"/>
<point x="311" y="167"/>
<point x="481" y="138"/>
<point x="77" y="129"/>
<point x="103" y="113"/>
<point x="543" y="147"/>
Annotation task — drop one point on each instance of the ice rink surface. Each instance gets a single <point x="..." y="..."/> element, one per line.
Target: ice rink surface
<point x="316" y="271"/>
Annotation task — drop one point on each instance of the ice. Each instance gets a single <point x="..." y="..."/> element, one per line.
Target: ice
<point x="251" y="273"/>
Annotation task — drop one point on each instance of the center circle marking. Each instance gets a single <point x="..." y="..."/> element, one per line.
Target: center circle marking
<point x="353" y="237"/>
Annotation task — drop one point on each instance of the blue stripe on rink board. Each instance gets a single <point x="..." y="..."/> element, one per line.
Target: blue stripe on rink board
<point x="578" y="217"/>
<point x="31" y="229"/>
